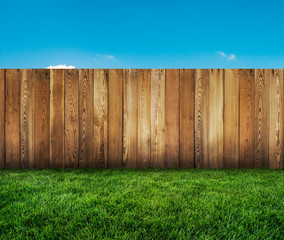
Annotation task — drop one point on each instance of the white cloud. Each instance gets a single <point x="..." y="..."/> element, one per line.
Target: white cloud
<point x="61" y="67"/>
<point x="109" y="56"/>
<point x="228" y="57"/>
<point x="101" y="57"/>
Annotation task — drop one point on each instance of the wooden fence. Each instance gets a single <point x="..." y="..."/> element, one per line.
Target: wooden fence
<point x="203" y="118"/>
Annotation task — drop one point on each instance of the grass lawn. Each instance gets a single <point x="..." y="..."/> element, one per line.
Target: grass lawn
<point x="142" y="204"/>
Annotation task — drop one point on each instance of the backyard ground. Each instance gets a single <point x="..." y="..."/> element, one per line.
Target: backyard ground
<point x="142" y="204"/>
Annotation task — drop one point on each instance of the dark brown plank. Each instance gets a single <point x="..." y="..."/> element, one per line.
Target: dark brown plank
<point x="42" y="114"/>
<point x="2" y="118"/>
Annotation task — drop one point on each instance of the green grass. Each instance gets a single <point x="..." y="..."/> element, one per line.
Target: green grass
<point x="142" y="204"/>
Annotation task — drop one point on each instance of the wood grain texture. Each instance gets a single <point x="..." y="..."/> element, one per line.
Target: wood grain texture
<point x="187" y="86"/>
<point x="56" y="118"/>
<point x="12" y="118"/>
<point x="157" y="117"/>
<point x="100" y="118"/>
<point x="231" y="119"/>
<point x="115" y="118"/>
<point x="71" y="112"/>
<point x="42" y="114"/>
<point x="27" y="118"/>
<point x="202" y="118"/>
<point x="276" y="122"/>
<point x="172" y="119"/>
<point x="216" y="112"/>
<point x="86" y="95"/>
<point x="247" y="121"/>
<point x="130" y="117"/>
<point x="144" y="119"/>
<point x="262" y="84"/>
<point x="2" y="118"/>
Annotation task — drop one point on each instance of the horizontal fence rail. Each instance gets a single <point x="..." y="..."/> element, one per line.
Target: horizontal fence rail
<point x="137" y="118"/>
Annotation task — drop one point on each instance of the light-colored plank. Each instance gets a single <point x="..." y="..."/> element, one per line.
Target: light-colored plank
<point x="100" y="118"/>
<point x="216" y="112"/>
<point x="2" y="118"/>
<point x="42" y="113"/>
<point x="172" y="119"/>
<point x="56" y="118"/>
<point x="231" y="119"/>
<point x="86" y="78"/>
<point x="262" y="82"/>
<point x="247" y="120"/>
<point x="115" y="118"/>
<point x="130" y="122"/>
<point x="201" y="118"/>
<point x="187" y="86"/>
<point x="276" y="128"/>
<point x="144" y="118"/>
<point x="71" y="98"/>
<point x="157" y="117"/>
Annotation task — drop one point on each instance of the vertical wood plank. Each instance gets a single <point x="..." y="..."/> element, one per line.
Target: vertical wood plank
<point x="262" y="82"/>
<point x="276" y="128"/>
<point x="247" y="126"/>
<point x="187" y="86"/>
<point x="12" y="118"/>
<point x="2" y="118"/>
<point x="172" y="119"/>
<point x="86" y="78"/>
<point x="100" y="118"/>
<point x="130" y="121"/>
<point x="231" y="119"/>
<point x="144" y="118"/>
<point x="201" y="118"/>
<point x="56" y="118"/>
<point x="42" y="113"/>
<point x="216" y="89"/>
<point x="157" y="117"/>
<point x="71" y="112"/>
<point x="27" y="118"/>
<point x="115" y="118"/>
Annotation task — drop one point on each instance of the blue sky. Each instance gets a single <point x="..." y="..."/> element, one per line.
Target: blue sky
<point x="142" y="34"/>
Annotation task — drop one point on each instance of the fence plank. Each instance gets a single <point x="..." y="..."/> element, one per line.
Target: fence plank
<point x="12" y="121"/>
<point x="247" y="126"/>
<point x="187" y="85"/>
<point x="115" y="118"/>
<point x="57" y="118"/>
<point x="216" y="89"/>
<point x="276" y="138"/>
<point x="130" y="121"/>
<point x="42" y="113"/>
<point x="172" y="118"/>
<point x="262" y="83"/>
<point x="201" y="118"/>
<point x="231" y="119"/>
<point x="71" y="99"/>
<point x="86" y="79"/>
<point x="100" y="118"/>
<point x="157" y="117"/>
<point x="2" y="118"/>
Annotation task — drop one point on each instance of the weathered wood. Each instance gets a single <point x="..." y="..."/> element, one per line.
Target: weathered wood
<point x="71" y="112"/>
<point x="86" y="79"/>
<point x="276" y="122"/>
<point x="100" y="118"/>
<point x="231" y="119"/>
<point x="57" y="118"/>
<point x="216" y="113"/>
<point x="157" y="117"/>
<point x="42" y="113"/>
<point x="187" y="86"/>
<point x="202" y="118"/>
<point x="115" y="118"/>
<point x="172" y="119"/>
<point x="130" y="114"/>
<point x="262" y="83"/>
<point x="247" y="126"/>
<point x="2" y="118"/>
<point x="12" y="118"/>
